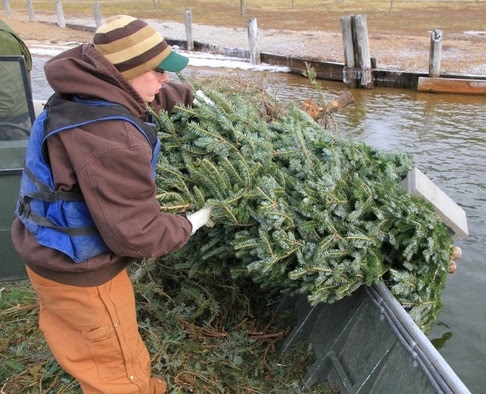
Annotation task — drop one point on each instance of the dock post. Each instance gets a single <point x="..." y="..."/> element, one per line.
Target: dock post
<point x="349" y="63"/>
<point x="253" y="41"/>
<point x="97" y="14"/>
<point x="357" y="69"/>
<point x="435" y="53"/>
<point x="188" y="24"/>
<point x="6" y="8"/>
<point x="60" y="14"/>
<point x="30" y="10"/>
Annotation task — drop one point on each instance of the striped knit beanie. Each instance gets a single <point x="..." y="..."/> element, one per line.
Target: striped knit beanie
<point x="135" y="48"/>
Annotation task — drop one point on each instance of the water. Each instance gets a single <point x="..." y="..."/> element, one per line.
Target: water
<point x="447" y="136"/>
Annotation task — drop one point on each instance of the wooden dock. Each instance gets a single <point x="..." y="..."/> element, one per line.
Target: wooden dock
<point x="333" y="71"/>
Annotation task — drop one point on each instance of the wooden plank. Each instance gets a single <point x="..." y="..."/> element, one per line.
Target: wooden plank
<point x="451" y="214"/>
<point x="329" y="71"/>
<point x="451" y="85"/>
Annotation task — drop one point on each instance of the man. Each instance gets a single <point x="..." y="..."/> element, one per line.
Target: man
<point x="87" y="205"/>
<point x="15" y="120"/>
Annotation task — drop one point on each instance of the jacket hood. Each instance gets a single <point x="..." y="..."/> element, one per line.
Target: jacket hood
<point x="85" y="72"/>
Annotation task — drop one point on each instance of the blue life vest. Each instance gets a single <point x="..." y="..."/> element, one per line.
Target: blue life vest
<point x="61" y="220"/>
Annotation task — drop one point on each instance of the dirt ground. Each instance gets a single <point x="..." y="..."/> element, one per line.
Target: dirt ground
<point x="463" y="52"/>
<point x="43" y="32"/>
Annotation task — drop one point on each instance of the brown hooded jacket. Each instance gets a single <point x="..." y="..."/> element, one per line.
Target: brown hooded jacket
<point x="109" y="162"/>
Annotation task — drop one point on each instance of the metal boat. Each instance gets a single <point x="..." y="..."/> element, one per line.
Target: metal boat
<point x="368" y="343"/>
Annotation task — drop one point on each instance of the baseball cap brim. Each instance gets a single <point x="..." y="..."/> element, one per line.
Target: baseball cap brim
<point x="174" y="62"/>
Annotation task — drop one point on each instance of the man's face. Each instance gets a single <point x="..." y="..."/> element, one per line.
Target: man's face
<point x="149" y="84"/>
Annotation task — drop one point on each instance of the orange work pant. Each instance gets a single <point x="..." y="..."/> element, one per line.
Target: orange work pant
<point x="93" y="334"/>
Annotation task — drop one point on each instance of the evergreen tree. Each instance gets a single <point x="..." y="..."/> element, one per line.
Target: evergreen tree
<point x="296" y="207"/>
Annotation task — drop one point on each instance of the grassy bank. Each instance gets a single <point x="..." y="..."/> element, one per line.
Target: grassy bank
<point x="384" y="16"/>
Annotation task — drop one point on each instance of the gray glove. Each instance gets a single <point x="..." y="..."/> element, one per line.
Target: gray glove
<point x="200" y="218"/>
<point x="200" y="98"/>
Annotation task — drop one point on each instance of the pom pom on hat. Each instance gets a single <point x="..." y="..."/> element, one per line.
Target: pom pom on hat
<point x="134" y="47"/>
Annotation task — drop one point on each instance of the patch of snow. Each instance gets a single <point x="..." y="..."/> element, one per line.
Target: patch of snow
<point x="475" y="33"/>
<point x="196" y="59"/>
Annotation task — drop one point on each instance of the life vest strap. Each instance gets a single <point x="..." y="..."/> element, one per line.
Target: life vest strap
<point x="25" y="211"/>
<point x="46" y="193"/>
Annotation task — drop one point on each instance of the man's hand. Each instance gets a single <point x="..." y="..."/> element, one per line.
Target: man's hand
<point x="200" y="218"/>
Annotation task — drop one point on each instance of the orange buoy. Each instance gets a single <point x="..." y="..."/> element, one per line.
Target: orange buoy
<point x="452" y="267"/>
<point x="456" y="253"/>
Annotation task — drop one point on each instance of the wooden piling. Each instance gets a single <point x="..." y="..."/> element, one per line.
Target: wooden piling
<point x="30" y="10"/>
<point x="188" y="24"/>
<point x="435" y="53"/>
<point x="349" y="61"/>
<point x="253" y="41"/>
<point x="362" y="50"/>
<point x="61" y="22"/>
<point x="97" y="14"/>
<point x="357" y="70"/>
<point x="6" y="8"/>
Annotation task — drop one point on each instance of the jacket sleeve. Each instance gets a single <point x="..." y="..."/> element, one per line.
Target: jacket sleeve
<point x="172" y="94"/>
